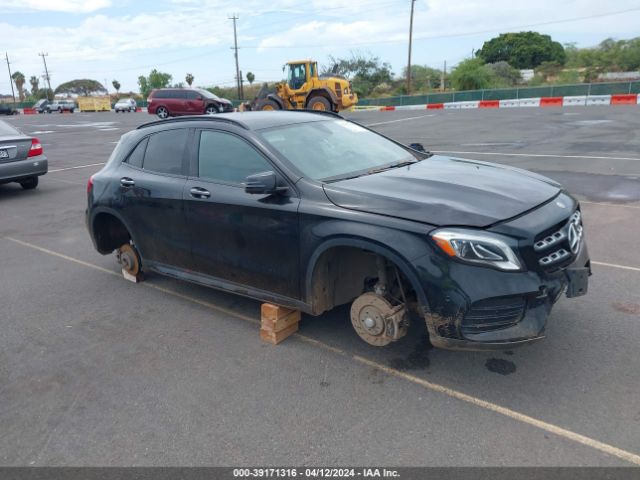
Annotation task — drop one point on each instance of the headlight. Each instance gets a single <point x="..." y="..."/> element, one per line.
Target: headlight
<point x="477" y="247"/>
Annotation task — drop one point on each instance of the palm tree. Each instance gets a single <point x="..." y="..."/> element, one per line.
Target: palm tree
<point x="18" y="79"/>
<point x="189" y="79"/>
<point x="116" y="85"/>
<point x="35" y="85"/>
<point x="250" y="77"/>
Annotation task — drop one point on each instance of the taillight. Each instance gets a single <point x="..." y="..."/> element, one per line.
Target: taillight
<point x="90" y="184"/>
<point x="36" y="148"/>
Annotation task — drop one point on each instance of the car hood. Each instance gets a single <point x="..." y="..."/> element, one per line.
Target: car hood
<point x="446" y="191"/>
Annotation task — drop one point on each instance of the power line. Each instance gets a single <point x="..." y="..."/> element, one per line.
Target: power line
<point x="462" y="34"/>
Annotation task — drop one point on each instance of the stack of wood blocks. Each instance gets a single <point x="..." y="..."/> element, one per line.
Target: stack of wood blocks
<point x="277" y="323"/>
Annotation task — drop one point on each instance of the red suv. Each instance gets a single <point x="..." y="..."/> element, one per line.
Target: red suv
<point x="171" y="102"/>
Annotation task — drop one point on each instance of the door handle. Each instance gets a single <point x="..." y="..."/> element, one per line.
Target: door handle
<point x="127" y="182"/>
<point x="197" y="192"/>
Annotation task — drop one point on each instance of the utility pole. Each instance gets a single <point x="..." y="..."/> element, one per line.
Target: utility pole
<point x="444" y="74"/>
<point x="410" y="39"/>
<point x="46" y="72"/>
<point x="13" y="94"/>
<point x="241" y="86"/>
<point x="235" y="48"/>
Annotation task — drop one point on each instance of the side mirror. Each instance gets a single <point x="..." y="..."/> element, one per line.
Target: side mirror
<point x="417" y="146"/>
<point x="264" y="183"/>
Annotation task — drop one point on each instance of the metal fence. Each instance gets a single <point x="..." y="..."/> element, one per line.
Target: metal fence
<point x="507" y="94"/>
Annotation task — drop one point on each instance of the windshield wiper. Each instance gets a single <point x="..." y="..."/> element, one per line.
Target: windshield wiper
<point x="393" y="165"/>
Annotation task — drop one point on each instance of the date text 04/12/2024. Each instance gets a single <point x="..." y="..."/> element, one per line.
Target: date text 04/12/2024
<point x="315" y="473"/>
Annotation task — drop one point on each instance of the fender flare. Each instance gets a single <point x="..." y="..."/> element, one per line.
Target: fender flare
<point x="366" y="244"/>
<point x="324" y="92"/>
<point x="91" y="221"/>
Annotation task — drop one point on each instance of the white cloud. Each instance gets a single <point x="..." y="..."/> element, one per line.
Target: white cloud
<point x="69" y="6"/>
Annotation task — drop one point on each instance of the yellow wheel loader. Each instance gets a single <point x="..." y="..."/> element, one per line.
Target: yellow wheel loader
<point x="306" y="90"/>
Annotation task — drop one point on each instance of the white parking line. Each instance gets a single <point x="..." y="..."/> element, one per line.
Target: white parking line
<point x="75" y="168"/>
<point x="610" y="204"/>
<point x="544" y="155"/>
<point x="613" y="265"/>
<point x="434" y="387"/>
<point x="399" y="120"/>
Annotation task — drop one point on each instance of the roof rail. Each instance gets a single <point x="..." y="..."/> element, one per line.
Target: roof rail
<point x="201" y="118"/>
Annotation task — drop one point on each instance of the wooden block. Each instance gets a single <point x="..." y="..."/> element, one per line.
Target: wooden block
<point x="277" y="337"/>
<point x="274" y="312"/>
<point x="281" y="323"/>
<point x="132" y="278"/>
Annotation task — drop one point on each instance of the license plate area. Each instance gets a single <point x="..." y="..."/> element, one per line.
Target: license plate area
<point x="578" y="281"/>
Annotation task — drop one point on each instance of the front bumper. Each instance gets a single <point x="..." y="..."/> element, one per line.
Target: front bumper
<point x="23" y="169"/>
<point x="478" y="308"/>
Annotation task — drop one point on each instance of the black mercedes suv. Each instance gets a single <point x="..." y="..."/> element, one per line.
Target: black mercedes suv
<point x="311" y="211"/>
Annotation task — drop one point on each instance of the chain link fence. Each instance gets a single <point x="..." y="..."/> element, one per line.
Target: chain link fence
<point x="507" y="94"/>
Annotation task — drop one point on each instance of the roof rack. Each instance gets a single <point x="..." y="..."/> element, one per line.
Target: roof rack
<point x="201" y="118"/>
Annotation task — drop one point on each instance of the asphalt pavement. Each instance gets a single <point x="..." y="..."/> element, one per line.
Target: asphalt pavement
<point x="95" y="370"/>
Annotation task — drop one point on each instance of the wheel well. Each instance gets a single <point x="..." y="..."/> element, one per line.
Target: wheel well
<point x="319" y="93"/>
<point x="109" y="232"/>
<point x="343" y="273"/>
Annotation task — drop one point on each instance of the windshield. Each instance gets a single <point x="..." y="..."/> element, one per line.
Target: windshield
<point x="334" y="149"/>
<point x="207" y="94"/>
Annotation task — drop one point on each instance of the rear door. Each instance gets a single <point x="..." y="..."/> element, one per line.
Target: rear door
<point x="152" y="179"/>
<point x="178" y="99"/>
<point x="246" y="239"/>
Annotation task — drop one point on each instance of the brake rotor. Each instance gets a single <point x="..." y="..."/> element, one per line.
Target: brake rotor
<point x="371" y="317"/>
<point x="129" y="259"/>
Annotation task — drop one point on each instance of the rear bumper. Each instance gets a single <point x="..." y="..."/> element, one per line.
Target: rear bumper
<point x="477" y="312"/>
<point x="22" y="169"/>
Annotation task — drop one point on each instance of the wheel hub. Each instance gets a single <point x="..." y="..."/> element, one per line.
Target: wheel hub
<point x="376" y="321"/>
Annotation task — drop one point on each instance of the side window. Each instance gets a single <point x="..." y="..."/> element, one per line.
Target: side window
<point x="177" y="94"/>
<point x="135" y="158"/>
<point x="191" y="95"/>
<point x="165" y="151"/>
<point x="227" y="158"/>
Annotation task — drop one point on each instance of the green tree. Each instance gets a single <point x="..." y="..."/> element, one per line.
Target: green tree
<point x="424" y="77"/>
<point x="522" y="50"/>
<point x="155" y="79"/>
<point x="35" y="84"/>
<point x="116" y="85"/>
<point x="472" y="74"/>
<point x="364" y="70"/>
<point x="18" y="79"/>
<point x="505" y="74"/>
<point x="250" y="77"/>
<point x="189" y="79"/>
<point x="82" y="87"/>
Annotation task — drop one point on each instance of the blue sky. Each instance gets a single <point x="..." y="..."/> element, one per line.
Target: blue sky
<point x="122" y="39"/>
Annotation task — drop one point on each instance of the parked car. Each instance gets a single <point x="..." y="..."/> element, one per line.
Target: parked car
<point x="41" y="105"/>
<point x="311" y="211"/>
<point x="22" y="158"/>
<point x="172" y="102"/>
<point x="125" y="105"/>
<point x="7" y="109"/>
<point x="61" y="106"/>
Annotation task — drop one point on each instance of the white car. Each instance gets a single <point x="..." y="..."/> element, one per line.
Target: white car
<point x="125" y="105"/>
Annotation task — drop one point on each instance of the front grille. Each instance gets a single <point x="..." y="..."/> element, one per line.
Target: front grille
<point x="493" y="314"/>
<point x="556" y="248"/>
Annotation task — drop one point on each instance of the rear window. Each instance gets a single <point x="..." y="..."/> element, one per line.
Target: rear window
<point x="165" y="151"/>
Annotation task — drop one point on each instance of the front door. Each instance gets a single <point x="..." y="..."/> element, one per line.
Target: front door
<point x="246" y="239"/>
